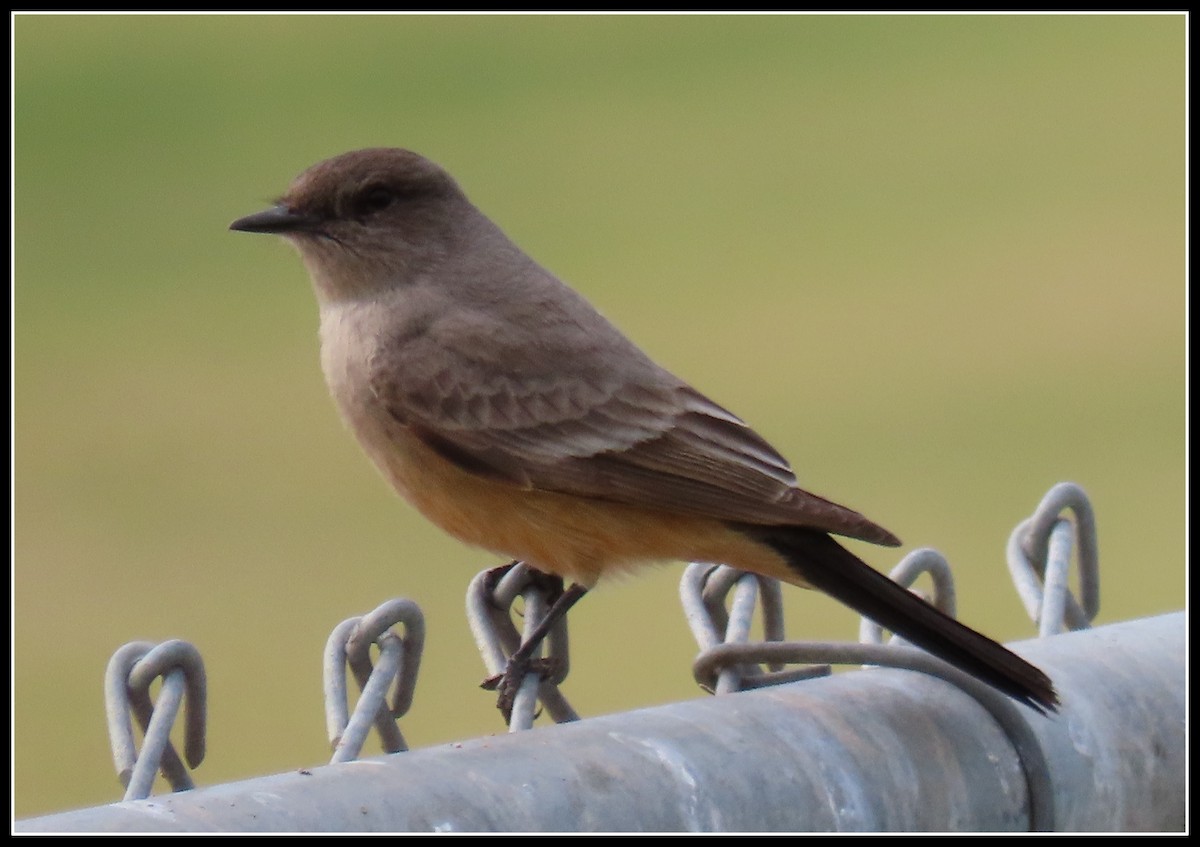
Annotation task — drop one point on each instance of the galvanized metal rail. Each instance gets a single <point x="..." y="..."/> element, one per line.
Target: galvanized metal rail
<point x="872" y="750"/>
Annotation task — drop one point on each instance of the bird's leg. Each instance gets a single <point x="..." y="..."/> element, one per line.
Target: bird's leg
<point x="521" y="661"/>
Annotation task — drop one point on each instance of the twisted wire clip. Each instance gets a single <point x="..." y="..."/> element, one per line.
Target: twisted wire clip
<point x="490" y="598"/>
<point x="703" y="592"/>
<point x="127" y="681"/>
<point x="399" y="659"/>
<point x="722" y="664"/>
<point x="1039" y="561"/>
<point x="1039" y="552"/>
<point x="730" y="661"/>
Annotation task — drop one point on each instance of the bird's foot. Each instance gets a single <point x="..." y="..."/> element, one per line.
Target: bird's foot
<point x="508" y="684"/>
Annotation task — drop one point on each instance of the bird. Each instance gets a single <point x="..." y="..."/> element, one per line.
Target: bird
<point x="507" y="410"/>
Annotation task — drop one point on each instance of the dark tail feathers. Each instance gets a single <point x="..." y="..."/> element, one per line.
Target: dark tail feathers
<point x="831" y="568"/>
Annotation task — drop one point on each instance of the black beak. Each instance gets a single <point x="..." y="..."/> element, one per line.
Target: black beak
<point x="277" y="219"/>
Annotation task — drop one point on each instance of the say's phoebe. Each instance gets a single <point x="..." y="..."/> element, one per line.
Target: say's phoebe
<point x="499" y="403"/>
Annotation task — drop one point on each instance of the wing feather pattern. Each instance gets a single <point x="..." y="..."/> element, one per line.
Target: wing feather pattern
<point x="652" y="441"/>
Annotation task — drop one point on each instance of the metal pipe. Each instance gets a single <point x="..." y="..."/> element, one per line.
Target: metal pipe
<point x="874" y="750"/>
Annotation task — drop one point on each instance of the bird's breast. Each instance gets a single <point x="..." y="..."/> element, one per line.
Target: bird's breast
<point x="349" y="335"/>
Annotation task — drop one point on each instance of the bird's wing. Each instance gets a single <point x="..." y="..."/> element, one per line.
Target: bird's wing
<point x="651" y="441"/>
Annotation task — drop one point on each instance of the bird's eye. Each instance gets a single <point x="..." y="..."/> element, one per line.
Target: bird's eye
<point x="375" y="199"/>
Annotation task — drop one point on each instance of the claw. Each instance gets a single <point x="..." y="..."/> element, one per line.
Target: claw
<point x="507" y="684"/>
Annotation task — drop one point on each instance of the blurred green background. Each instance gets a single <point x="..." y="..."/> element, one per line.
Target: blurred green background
<point x="938" y="261"/>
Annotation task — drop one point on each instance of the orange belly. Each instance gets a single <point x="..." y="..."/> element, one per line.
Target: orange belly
<point x="577" y="538"/>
